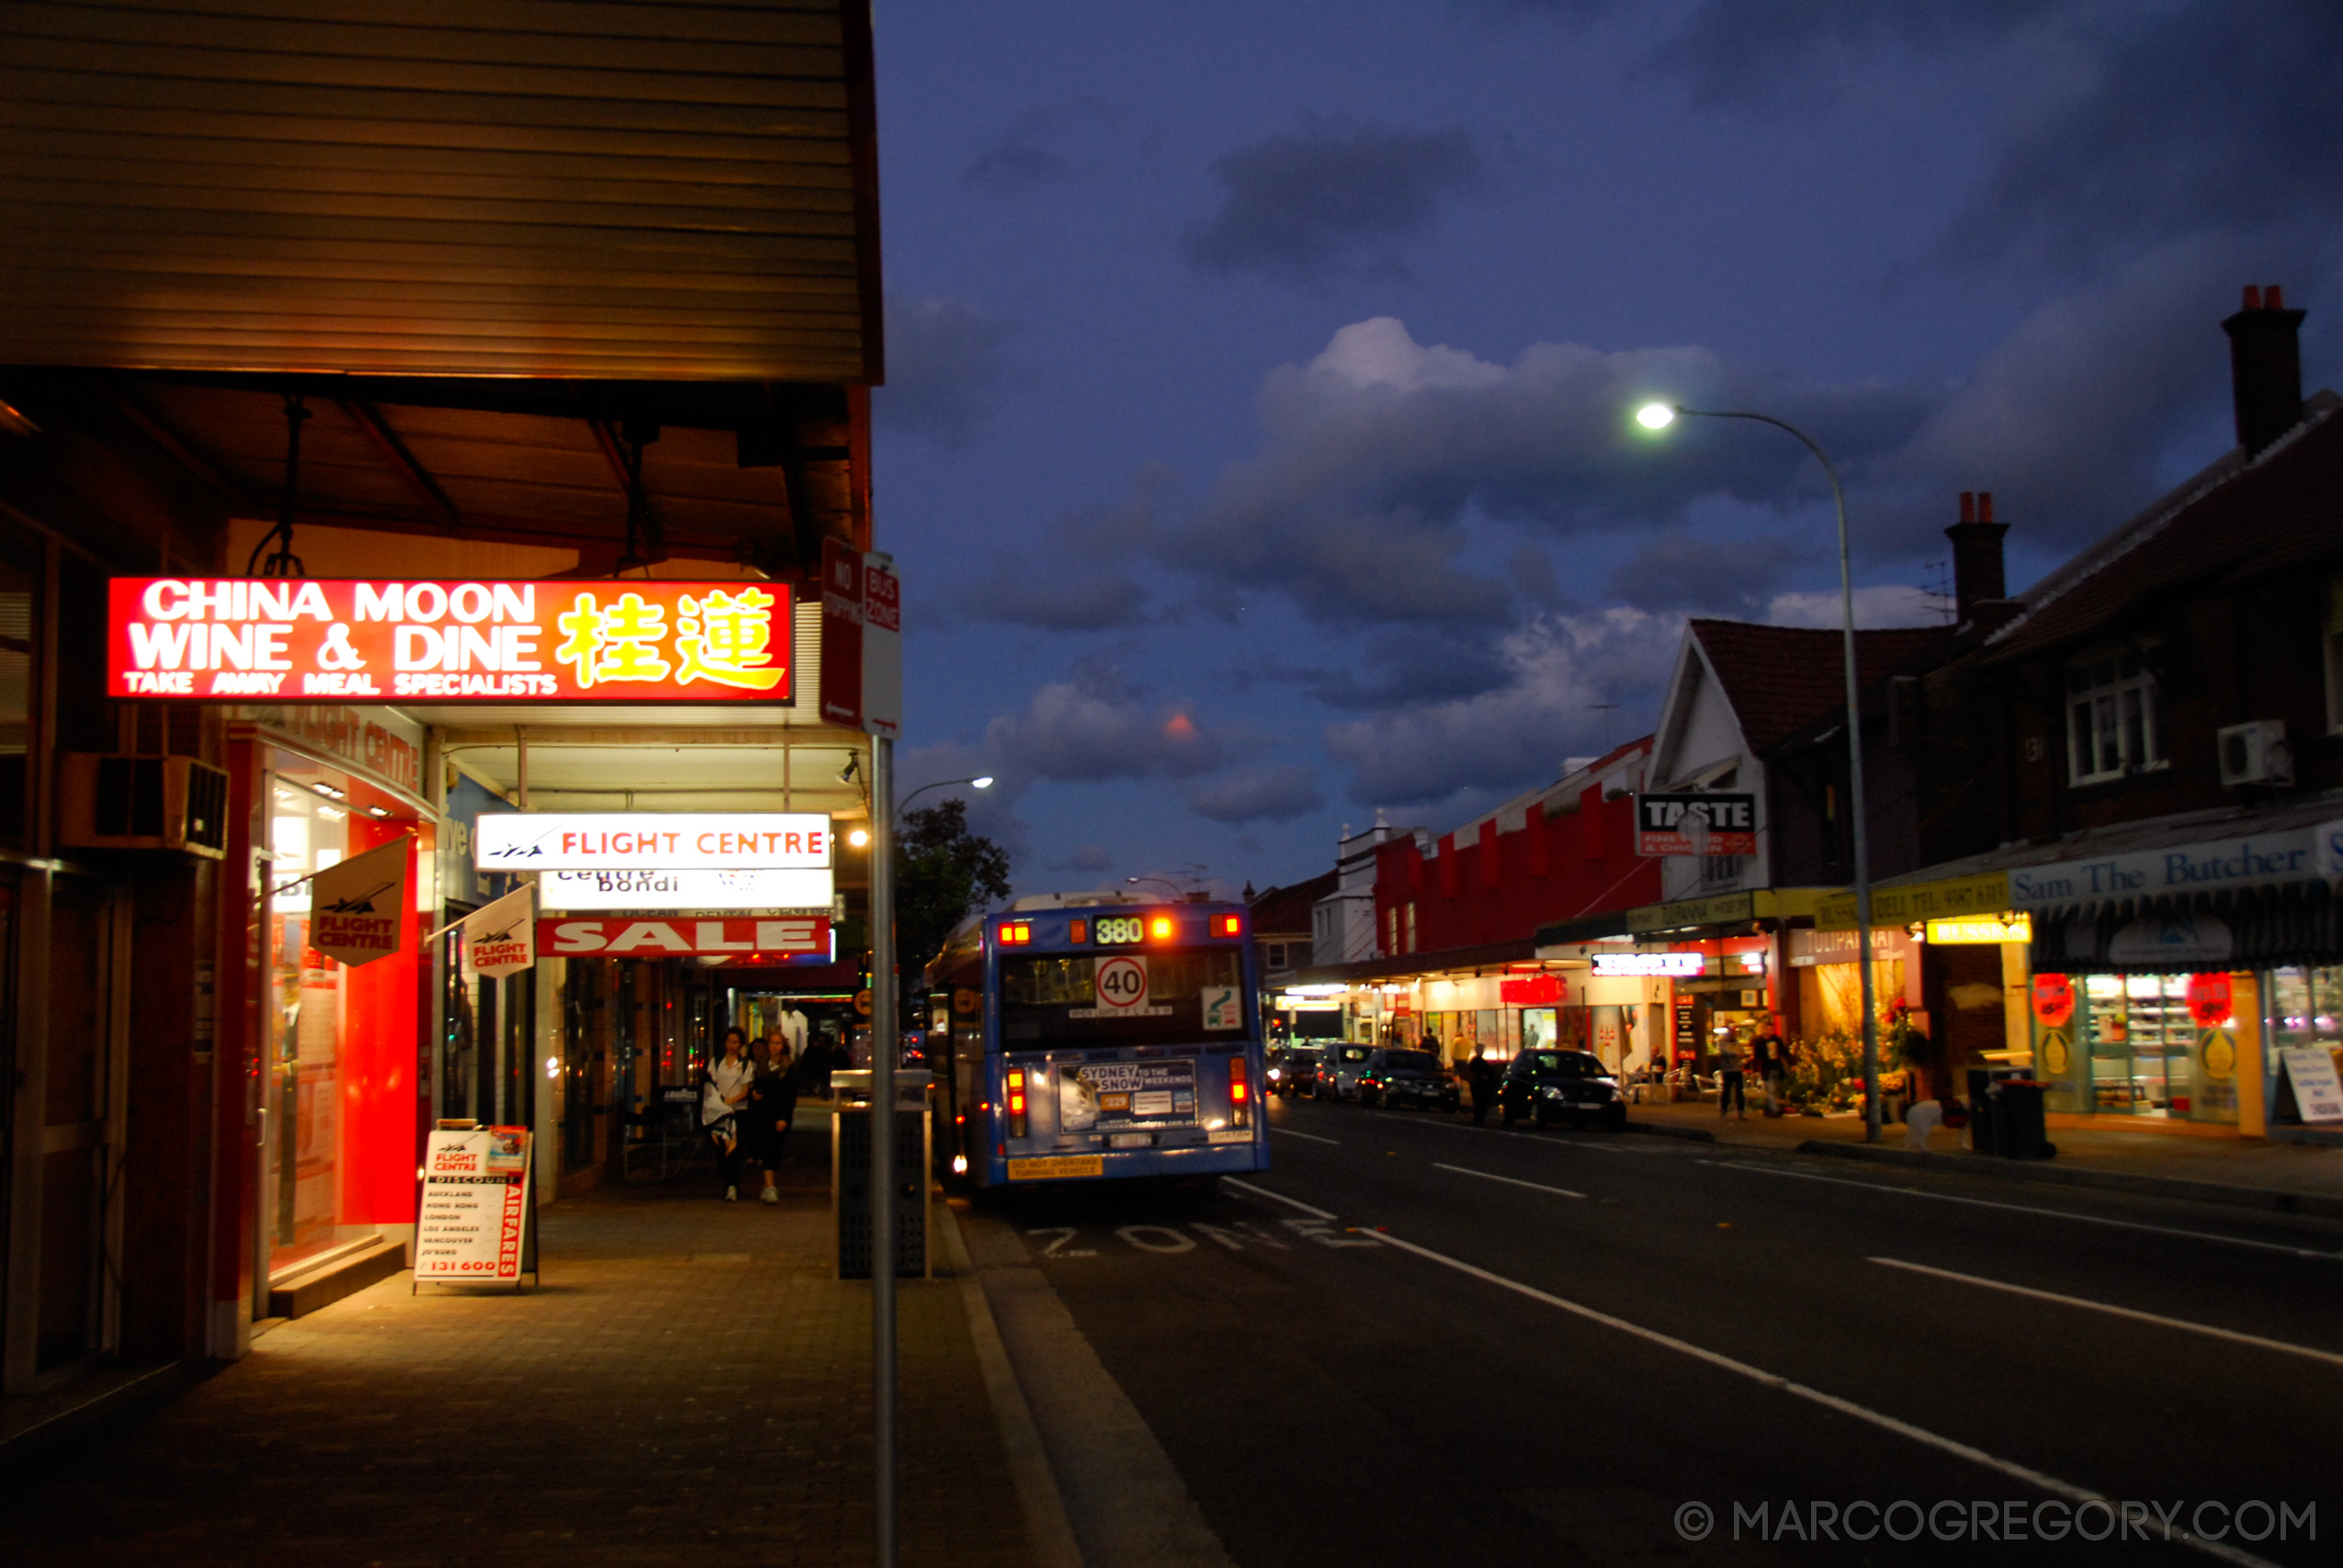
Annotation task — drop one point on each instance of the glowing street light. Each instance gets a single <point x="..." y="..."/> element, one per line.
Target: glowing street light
<point x="1658" y="416"/>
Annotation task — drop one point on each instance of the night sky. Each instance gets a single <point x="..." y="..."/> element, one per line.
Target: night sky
<point x="1256" y="447"/>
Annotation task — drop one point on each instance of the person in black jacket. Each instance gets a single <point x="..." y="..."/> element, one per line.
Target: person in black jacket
<point x="1483" y="1074"/>
<point x="772" y="1107"/>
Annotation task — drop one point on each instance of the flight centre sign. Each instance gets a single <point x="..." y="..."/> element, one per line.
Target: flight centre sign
<point x="307" y="639"/>
<point x="650" y="840"/>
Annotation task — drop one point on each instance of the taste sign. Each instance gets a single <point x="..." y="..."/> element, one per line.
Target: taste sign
<point x="299" y="640"/>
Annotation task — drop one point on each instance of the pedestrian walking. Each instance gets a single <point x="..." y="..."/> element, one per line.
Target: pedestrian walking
<point x="1483" y="1074"/>
<point x="723" y="1089"/>
<point x="1765" y="1059"/>
<point x="765" y="1119"/>
<point x="1729" y="1079"/>
<point x="813" y="1068"/>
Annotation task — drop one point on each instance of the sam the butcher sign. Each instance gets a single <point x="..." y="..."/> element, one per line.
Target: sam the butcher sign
<point x="341" y="639"/>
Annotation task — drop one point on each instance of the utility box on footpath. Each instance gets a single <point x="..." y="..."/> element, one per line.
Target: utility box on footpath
<point x="850" y="1175"/>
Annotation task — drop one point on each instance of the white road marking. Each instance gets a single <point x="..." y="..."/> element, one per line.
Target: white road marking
<point x="2231" y="1335"/>
<point x="1058" y="1248"/>
<point x="2011" y="1468"/>
<point x="1174" y="1241"/>
<point x="1508" y="1133"/>
<point x="1508" y="1181"/>
<point x="1280" y="1197"/>
<point x="1313" y="1137"/>
<point x="2023" y="1209"/>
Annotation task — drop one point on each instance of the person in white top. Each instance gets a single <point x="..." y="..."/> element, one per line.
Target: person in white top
<point x="724" y="1089"/>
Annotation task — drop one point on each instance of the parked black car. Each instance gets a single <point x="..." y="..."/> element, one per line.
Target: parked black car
<point x="1407" y="1077"/>
<point x="1294" y="1071"/>
<point x="1551" y="1085"/>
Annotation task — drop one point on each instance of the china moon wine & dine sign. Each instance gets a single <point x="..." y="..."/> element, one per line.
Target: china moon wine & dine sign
<point x="303" y="640"/>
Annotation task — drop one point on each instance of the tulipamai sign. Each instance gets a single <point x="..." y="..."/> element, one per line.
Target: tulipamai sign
<point x="308" y="639"/>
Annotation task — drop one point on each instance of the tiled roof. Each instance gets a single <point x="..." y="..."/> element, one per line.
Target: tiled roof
<point x="1780" y="679"/>
<point x="1287" y="909"/>
<point x="2283" y="509"/>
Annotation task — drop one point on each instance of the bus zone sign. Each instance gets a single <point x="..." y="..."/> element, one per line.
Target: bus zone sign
<point x="307" y="639"/>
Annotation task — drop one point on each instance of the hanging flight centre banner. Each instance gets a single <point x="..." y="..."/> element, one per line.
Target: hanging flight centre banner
<point x="473" y="1221"/>
<point x="302" y="639"/>
<point x="499" y="938"/>
<point x="1696" y="825"/>
<point x="359" y="908"/>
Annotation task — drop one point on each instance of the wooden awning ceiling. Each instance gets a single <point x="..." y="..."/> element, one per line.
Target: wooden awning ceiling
<point x="660" y="190"/>
<point x="760" y="475"/>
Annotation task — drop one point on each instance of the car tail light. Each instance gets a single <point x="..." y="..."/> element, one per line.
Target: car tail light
<point x="1240" y="1106"/>
<point x="1016" y="1103"/>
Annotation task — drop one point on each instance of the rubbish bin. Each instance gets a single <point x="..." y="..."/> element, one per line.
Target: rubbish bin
<point x="850" y="1175"/>
<point x="2019" y="1131"/>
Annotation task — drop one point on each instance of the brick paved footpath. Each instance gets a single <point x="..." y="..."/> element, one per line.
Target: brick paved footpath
<point x="688" y="1386"/>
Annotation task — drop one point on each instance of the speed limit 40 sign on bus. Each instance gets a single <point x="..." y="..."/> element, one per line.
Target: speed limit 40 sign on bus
<point x="1119" y="984"/>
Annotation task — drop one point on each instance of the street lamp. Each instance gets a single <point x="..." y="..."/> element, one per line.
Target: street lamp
<point x="982" y="781"/>
<point x="1177" y="891"/>
<point x="1659" y="416"/>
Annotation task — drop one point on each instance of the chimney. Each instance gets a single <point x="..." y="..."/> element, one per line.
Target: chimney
<point x="2264" y="367"/>
<point x="1977" y="576"/>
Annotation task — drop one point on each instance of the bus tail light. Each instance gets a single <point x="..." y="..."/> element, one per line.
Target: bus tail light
<point x="1228" y="925"/>
<point x="1016" y="933"/>
<point x="1240" y="1097"/>
<point x="1016" y="1102"/>
<point x="1162" y="928"/>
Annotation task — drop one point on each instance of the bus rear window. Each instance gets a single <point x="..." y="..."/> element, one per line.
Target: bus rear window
<point x="1155" y="997"/>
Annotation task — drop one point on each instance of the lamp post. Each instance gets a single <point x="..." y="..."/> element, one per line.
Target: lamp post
<point x="1177" y="891"/>
<point x="1660" y="416"/>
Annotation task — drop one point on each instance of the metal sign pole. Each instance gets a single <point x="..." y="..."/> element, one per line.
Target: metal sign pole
<point x="885" y="1046"/>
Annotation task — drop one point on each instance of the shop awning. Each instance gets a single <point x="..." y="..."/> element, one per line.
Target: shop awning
<point x="1905" y="903"/>
<point x="1408" y="965"/>
<point x="2230" y="928"/>
<point x="1683" y="914"/>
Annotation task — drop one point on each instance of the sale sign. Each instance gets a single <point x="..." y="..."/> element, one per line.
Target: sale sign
<point x="789" y="936"/>
<point x="307" y="639"/>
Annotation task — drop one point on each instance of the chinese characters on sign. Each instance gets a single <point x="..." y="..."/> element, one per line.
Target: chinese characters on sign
<point x="287" y="640"/>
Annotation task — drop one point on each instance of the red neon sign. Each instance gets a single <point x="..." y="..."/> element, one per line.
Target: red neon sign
<point x="308" y="639"/>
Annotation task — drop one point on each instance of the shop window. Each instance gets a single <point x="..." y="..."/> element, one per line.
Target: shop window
<point x="1721" y="871"/>
<point x="2114" y="716"/>
<point x="1277" y="955"/>
<point x="1391" y="931"/>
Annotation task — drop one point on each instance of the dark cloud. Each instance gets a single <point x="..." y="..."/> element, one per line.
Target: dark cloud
<point x="1506" y="738"/>
<point x="1056" y="143"/>
<point x="1087" y="858"/>
<point x="948" y="370"/>
<point x="1681" y="571"/>
<point x="1403" y="664"/>
<point x="2198" y="118"/>
<point x="1257" y="795"/>
<point x="1098" y="725"/>
<point x="1081" y="578"/>
<point x="1774" y="54"/>
<point x="1381" y="457"/>
<point x="2116" y="125"/>
<point x="1308" y="205"/>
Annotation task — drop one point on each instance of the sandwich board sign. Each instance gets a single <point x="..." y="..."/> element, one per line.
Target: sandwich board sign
<point x="475" y="1217"/>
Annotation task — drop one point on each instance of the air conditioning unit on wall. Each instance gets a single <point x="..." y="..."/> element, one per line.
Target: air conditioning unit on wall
<point x="2254" y="753"/>
<point x="141" y="803"/>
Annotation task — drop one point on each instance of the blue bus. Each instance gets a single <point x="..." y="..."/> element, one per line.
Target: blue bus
<point x="1087" y="1036"/>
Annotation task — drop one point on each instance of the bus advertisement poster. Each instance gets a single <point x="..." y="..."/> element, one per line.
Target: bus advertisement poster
<point x="1104" y="1096"/>
<point x="471" y="1223"/>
